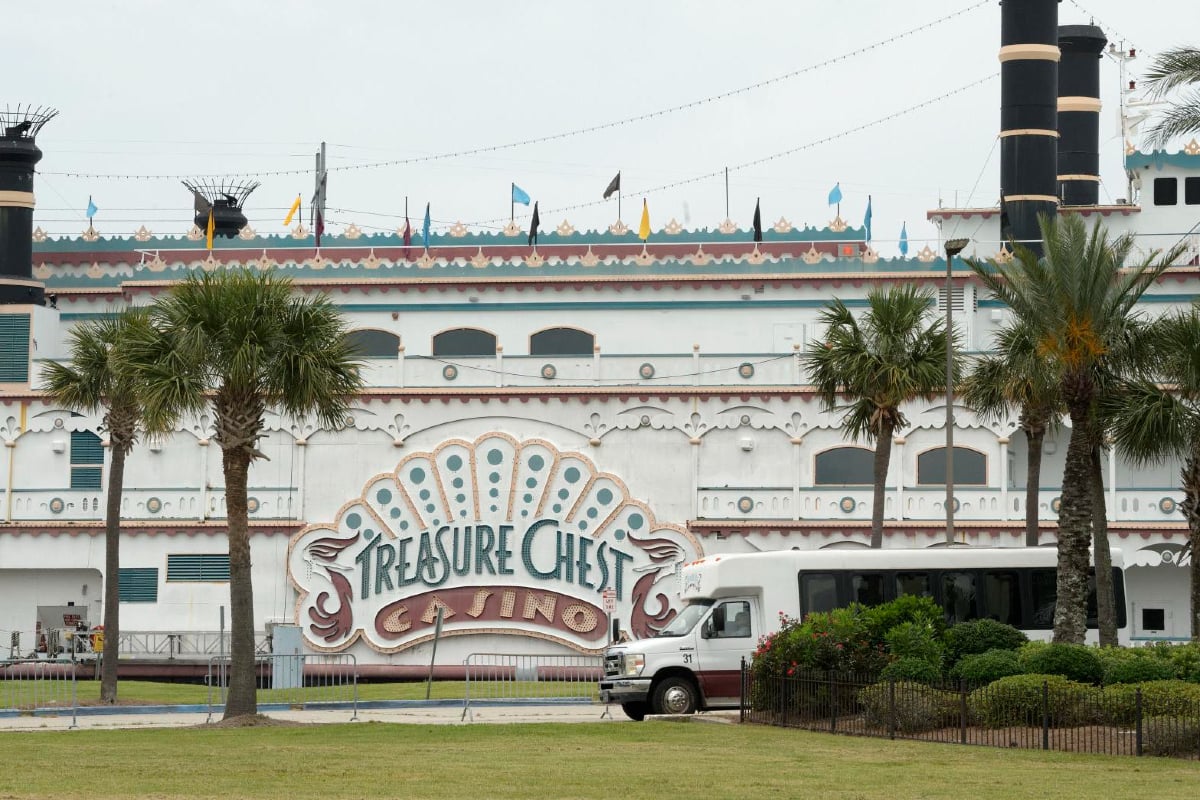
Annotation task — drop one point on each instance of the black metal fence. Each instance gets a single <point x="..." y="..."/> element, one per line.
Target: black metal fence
<point x="1037" y="713"/>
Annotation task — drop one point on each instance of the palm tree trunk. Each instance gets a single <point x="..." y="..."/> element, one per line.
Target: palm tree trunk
<point x="1075" y="530"/>
<point x="242" y="697"/>
<point x="1035" y="436"/>
<point x="112" y="574"/>
<point x="1191" y="511"/>
<point x="883" y="457"/>
<point x="1106" y="613"/>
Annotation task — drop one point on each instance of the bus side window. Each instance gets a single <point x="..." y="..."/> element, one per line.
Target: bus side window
<point x="913" y="583"/>
<point x="818" y="592"/>
<point x="1002" y="597"/>
<point x="867" y="588"/>
<point x="958" y="596"/>
<point x="1044" y="583"/>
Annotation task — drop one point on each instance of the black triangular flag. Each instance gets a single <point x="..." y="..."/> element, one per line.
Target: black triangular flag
<point x="757" y="222"/>
<point x="1005" y="223"/>
<point x="613" y="186"/>
<point x="533" y="225"/>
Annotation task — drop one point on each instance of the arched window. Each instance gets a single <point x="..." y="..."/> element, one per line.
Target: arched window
<point x="368" y="343"/>
<point x="970" y="467"/>
<point x="561" y="342"/>
<point x="845" y="466"/>
<point x="464" y="342"/>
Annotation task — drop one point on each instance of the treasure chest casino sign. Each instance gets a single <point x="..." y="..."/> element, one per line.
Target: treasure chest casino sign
<point x="506" y="536"/>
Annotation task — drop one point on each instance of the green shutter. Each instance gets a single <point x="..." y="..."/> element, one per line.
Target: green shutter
<point x="214" y="567"/>
<point x="14" y="348"/>
<point x="138" y="585"/>
<point x="87" y="460"/>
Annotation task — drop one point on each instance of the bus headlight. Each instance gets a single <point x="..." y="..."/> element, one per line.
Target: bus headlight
<point x="634" y="662"/>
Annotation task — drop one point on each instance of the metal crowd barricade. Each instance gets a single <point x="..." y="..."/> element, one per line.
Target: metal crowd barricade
<point x="306" y="681"/>
<point x="513" y="678"/>
<point x="39" y="686"/>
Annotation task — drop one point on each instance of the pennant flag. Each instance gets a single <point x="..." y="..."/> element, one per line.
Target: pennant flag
<point x="867" y="218"/>
<point x="292" y="212"/>
<point x="533" y="226"/>
<point x="407" y="232"/>
<point x="757" y="222"/>
<point x="644" y="228"/>
<point x="835" y="194"/>
<point x="91" y="212"/>
<point x="425" y="228"/>
<point x="613" y="186"/>
<point x="211" y="229"/>
<point x="200" y="204"/>
<point x="904" y="239"/>
<point x="319" y="227"/>
<point x="519" y="195"/>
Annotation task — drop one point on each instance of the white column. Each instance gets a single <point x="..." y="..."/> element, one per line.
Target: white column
<point x="596" y="364"/>
<point x="695" y="364"/>
<point x="695" y="441"/>
<point x="1004" y="513"/>
<point x="1112" y="481"/>
<point x="898" y="463"/>
<point x="400" y="365"/>
<point x="499" y="365"/>
<point x="796" y="372"/>
<point x="797" y="463"/>
<point x="301" y="460"/>
<point x="203" y="478"/>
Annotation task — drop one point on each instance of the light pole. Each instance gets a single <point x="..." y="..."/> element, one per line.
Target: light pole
<point x="953" y="248"/>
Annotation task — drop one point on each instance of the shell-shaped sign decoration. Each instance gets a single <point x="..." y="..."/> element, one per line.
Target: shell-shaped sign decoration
<point x="507" y="537"/>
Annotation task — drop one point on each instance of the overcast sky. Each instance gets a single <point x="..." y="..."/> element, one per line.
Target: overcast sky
<point x="227" y="86"/>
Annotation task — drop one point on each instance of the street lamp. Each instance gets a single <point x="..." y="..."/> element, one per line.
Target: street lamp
<point x="953" y="248"/>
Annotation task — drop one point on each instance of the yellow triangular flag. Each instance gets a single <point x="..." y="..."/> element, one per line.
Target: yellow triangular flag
<point x="211" y="229"/>
<point x="292" y="212"/>
<point x="644" y="228"/>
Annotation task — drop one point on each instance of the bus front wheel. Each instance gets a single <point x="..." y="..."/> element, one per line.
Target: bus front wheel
<point x="675" y="696"/>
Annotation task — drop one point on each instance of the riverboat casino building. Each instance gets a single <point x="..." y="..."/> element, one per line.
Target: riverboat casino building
<point x="546" y="425"/>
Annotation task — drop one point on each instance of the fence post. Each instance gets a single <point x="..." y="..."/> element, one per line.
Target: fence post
<point x="782" y="699"/>
<point x="833" y="702"/>
<point x="1138" y="699"/>
<point x="1045" y="715"/>
<point x="742" y="693"/>
<point x="891" y="708"/>
<point x="962" y="711"/>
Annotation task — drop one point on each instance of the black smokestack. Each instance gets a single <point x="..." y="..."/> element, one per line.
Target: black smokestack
<point x="18" y="156"/>
<point x="1079" y="114"/>
<point x="1028" y="115"/>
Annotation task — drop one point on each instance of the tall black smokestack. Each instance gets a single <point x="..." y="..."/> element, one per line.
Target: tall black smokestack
<point x="1028" y="115"/>
<point x="1079" y="114"/>
<point x="18" y="156"/>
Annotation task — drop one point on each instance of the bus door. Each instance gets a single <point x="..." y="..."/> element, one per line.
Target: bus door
<point x="728" y="636"/>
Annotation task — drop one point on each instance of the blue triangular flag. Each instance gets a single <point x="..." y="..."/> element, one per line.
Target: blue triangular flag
<point x="904" y="239"/>
<point x="835" y="194"/>
<point x="519" y="195"/>
<point x="425" y="228"/>
<point x="91" y="212"/>
<point x="867" y="218"/>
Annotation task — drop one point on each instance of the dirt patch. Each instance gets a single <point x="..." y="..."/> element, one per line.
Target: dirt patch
<point x="254" y="721"/>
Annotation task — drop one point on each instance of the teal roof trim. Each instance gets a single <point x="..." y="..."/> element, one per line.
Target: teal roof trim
<point x="1161" y="158"/>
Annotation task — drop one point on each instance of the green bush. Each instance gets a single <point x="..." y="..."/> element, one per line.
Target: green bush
<point x="1074" y="661"/>
<point x="1134" y="665"/>
<point x="834" y="641"/>
<point x="980" y="636"/>
<point x="912" y="707"/>
<point x="980" y="669"/>
<point x="1185" y="658"/>
<point x="915" y="640"/>
<point x="911" y="669"/>
<point x="907" y="608"/>
<point x="1171" y="736"/>
<point x="1018" y="700"/>
<point x="1159" y="698"/>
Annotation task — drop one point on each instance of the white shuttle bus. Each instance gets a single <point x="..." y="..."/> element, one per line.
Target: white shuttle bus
<point x="730" y="601"/>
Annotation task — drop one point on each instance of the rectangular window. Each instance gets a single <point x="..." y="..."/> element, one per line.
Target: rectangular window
<point x="1002" y="597"/>
<point x="1166" y="191"/>
<point x="958" y="596"/>
<point x="913" y="583"/>
<point x="1045" y="598"/>
<point x="1191" y="191"/>
<point x="1154" y="619"/>
<point x="87" y="460"/>
<point x="818" y="592"/>
<point x="214" y="567"/>
<point x="138" y="584"/>
<point x="867" y="589"/>
<point x="14" y="348"/>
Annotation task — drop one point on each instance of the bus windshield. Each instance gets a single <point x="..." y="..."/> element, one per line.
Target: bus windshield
<point x="686" y="619"/>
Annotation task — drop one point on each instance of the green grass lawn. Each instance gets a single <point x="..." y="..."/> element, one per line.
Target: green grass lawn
<point x="131" y="692"/>
<point x="649" y="760"/>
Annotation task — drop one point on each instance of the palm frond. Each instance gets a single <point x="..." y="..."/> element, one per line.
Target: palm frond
<point x="1173" y="68"/>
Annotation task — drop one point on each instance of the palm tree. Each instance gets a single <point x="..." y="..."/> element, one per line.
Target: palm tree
<point x="95" y="379"/>
<point x="1016" y="376"/>
<point x="1078" y="301"/>
<point x="1154" y="422"/>
<point x="895" y="354"/>
<point x="241" y="341"/>
<point x="1173" y="70"/>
